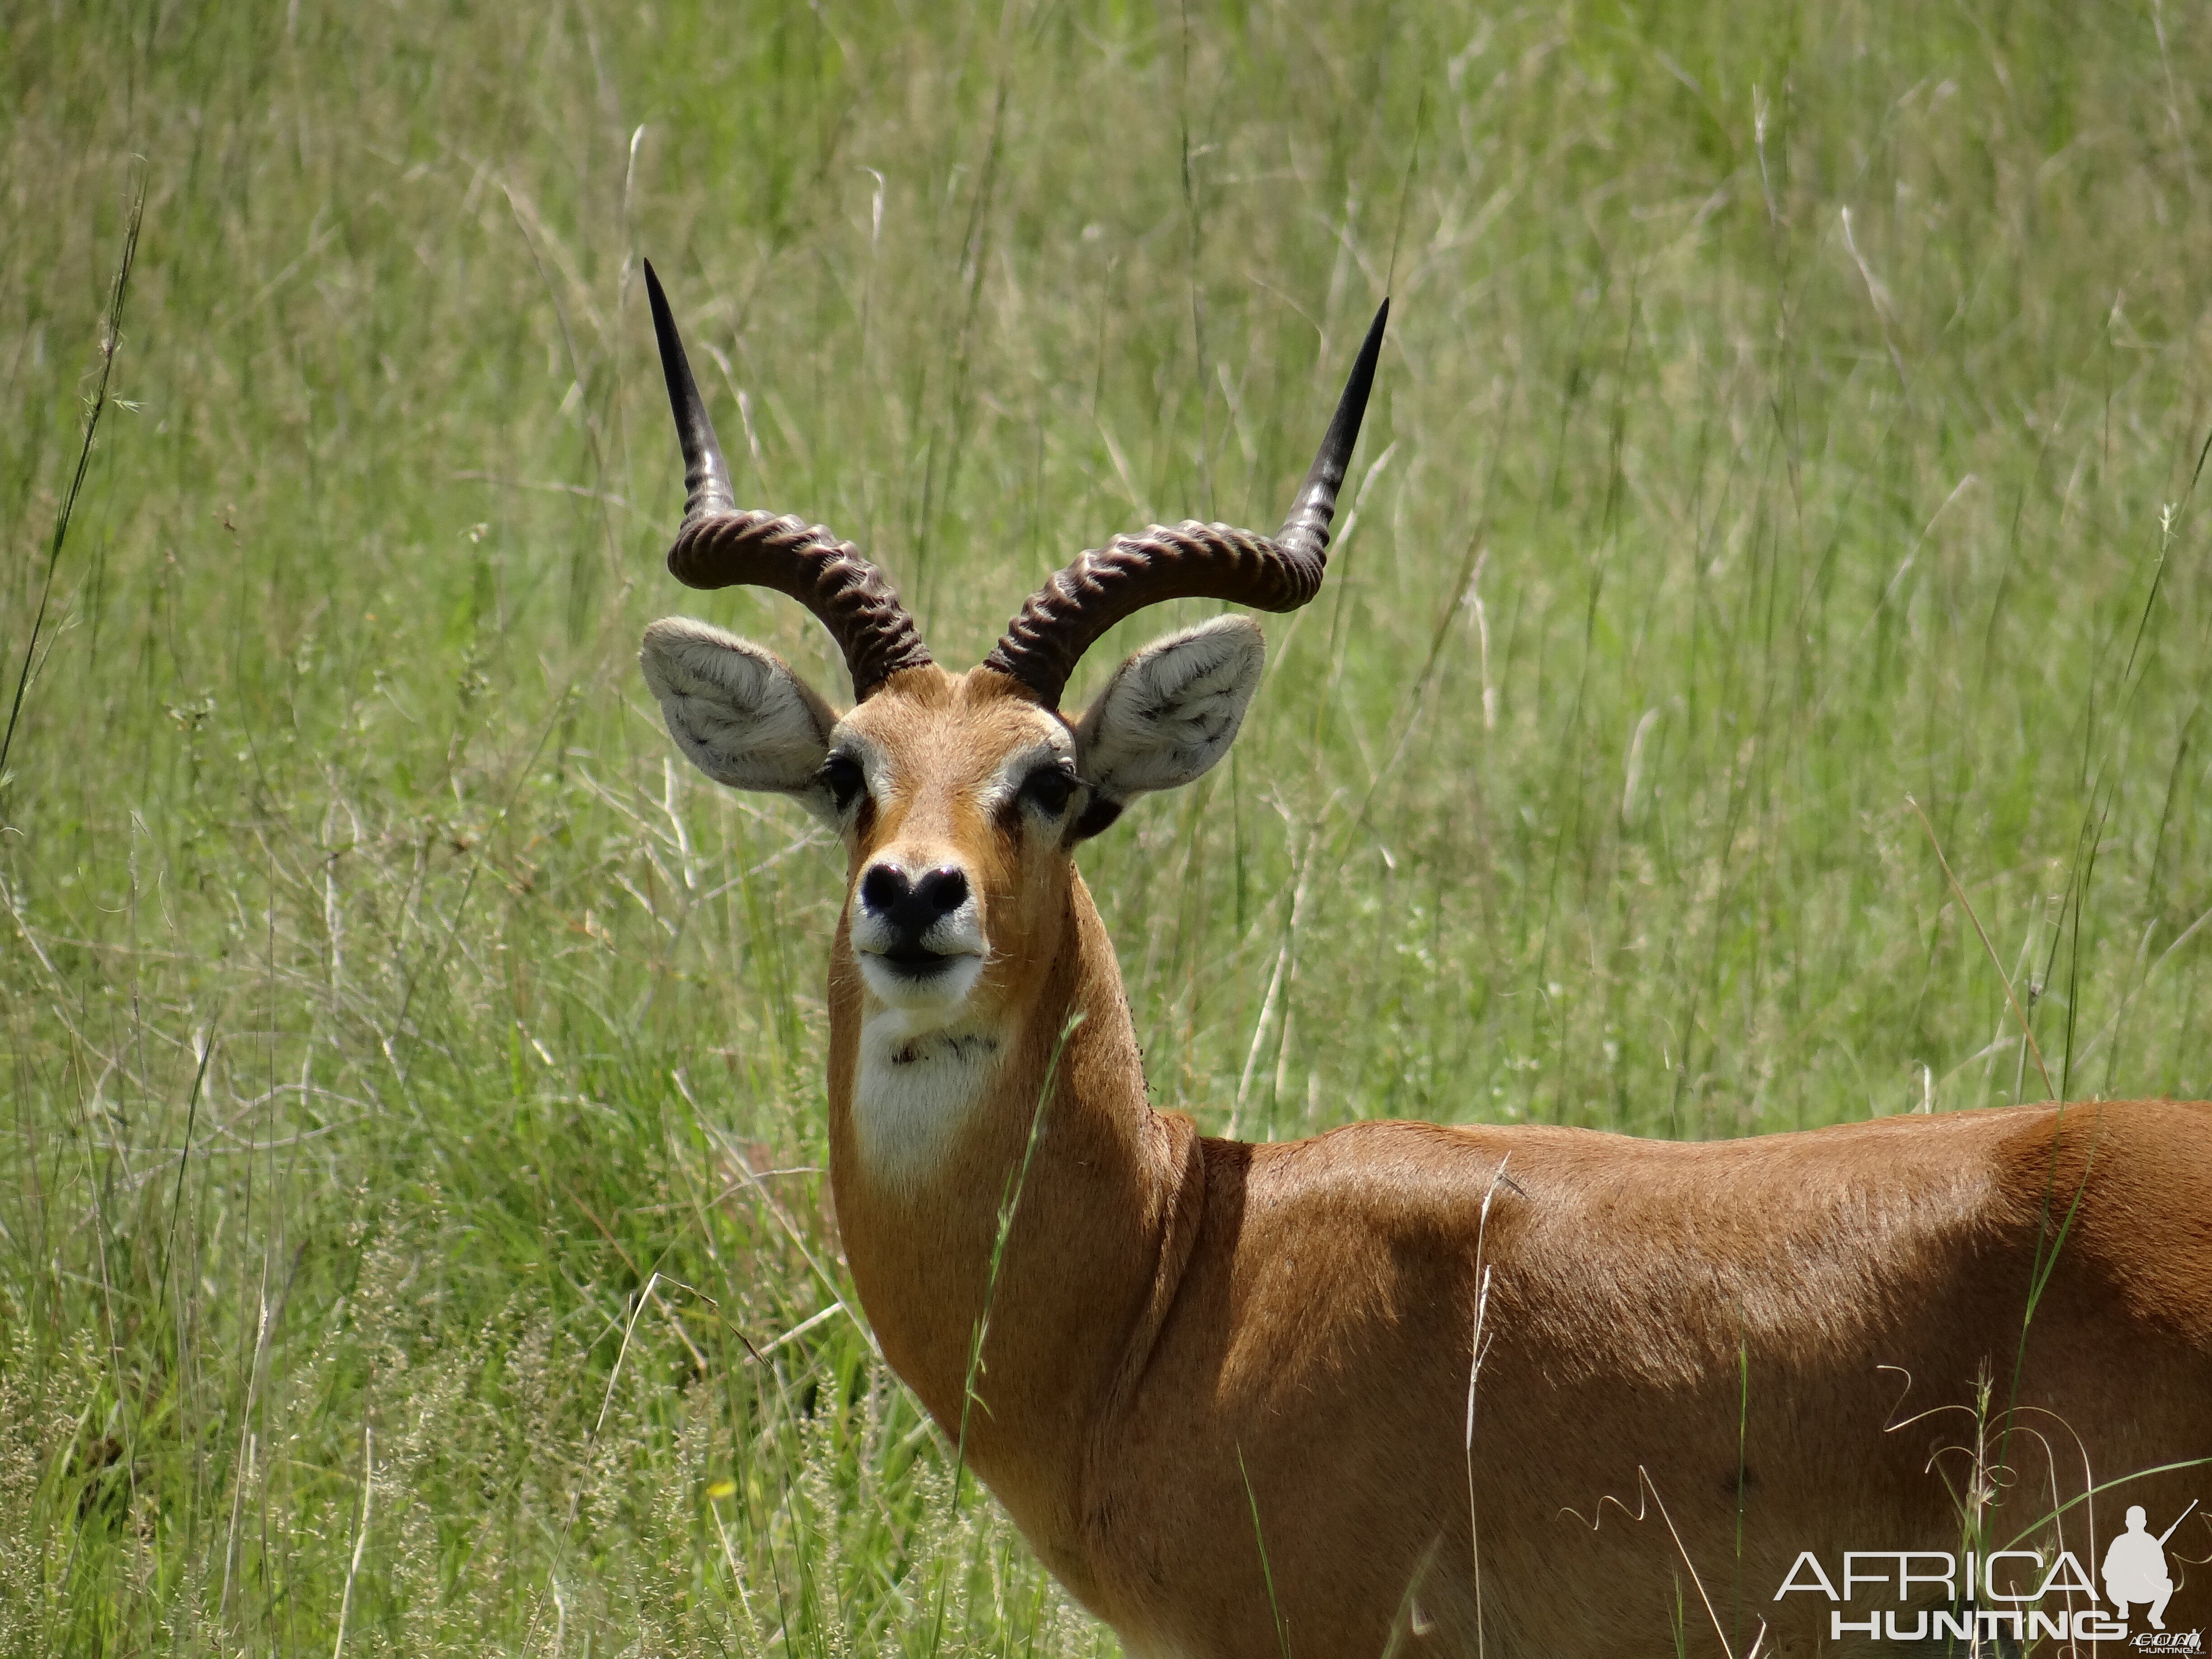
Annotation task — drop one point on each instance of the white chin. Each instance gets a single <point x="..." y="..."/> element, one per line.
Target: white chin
<point x="941" y="991"/>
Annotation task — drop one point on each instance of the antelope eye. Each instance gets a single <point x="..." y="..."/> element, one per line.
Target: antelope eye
<point x="841" y="776"/>
<point x="1047" y="789"/>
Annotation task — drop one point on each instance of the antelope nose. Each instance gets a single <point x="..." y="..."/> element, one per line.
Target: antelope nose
<point x="940" y="893"/>
<point x="913" y="907"/>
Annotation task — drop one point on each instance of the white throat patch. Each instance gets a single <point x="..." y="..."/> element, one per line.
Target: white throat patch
<point x="919" y="1081"/>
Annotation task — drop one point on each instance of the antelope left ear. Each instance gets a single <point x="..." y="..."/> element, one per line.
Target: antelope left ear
<point x="740" y="714"/>
<point x="1168" y="715"/>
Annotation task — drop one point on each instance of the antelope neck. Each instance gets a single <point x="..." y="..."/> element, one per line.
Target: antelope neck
<point x="1053" y="1124"/>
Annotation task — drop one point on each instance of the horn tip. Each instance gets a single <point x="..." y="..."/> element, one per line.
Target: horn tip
<point x="664" y="336"/>
<point x="1352" y="409"/>
<point x="1371" y="349"/>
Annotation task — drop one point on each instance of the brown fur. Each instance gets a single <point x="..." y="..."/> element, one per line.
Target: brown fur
<point x="1187" y="1331"/>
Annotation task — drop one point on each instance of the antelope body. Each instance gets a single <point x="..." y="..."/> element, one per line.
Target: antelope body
<point x="1225" y="1389"/>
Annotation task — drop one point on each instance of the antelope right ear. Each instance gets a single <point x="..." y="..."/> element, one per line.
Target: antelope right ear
<point x="1169" y="713"/>
<point x="738" y="711"/>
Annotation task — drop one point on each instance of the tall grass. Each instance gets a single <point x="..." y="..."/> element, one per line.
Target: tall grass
<point x="412" y="1212"/>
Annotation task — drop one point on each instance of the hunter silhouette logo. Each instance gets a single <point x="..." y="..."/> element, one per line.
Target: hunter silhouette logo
<point x="2134" y="1567"/>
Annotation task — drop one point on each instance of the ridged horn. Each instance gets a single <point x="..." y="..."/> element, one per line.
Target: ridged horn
<point x="1063" y="618"/>
<point x="719" y="545"/>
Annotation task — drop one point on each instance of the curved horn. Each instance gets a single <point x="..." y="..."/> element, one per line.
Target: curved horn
<point x="720" y="546"/>
<point x="1063" y="618"/>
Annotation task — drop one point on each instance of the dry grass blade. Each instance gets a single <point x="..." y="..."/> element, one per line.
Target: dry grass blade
<point x="2019" y="1013"/>
<point x="111" y="341"/>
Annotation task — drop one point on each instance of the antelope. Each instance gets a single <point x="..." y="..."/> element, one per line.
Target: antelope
<point x="1400" y="1386"/>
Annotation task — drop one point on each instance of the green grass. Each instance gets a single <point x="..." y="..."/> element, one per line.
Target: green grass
<point x="384" y="1006"/>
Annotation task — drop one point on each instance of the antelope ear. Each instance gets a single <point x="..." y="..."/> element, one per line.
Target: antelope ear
<point x="740" y="714"/>
<point x="1169" y="712"/>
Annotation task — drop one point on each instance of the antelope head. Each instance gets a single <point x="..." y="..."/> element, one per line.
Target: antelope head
<point x="960" y="797"/>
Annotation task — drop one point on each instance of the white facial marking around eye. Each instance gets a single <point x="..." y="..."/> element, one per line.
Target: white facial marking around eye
<point x="875" y="766"/>
<point x="917" y="1084"/>
<point x="1006" y="779"/>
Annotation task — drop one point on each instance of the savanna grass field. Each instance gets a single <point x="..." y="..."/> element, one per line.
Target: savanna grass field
<point x="1782" y="480"/>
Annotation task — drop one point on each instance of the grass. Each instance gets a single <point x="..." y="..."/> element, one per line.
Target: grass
<point x="412" y="1212"/>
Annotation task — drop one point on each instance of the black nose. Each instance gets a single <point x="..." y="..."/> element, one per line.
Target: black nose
<point x="912" y="908"/>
